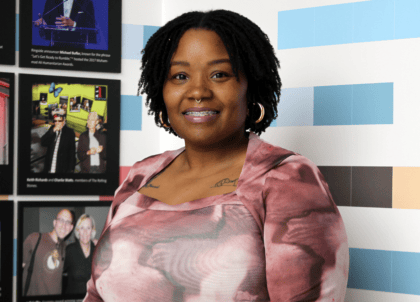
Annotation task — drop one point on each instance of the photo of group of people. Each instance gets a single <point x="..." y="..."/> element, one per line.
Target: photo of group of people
<point x="67" y="135"/>
<point x="56" y="244"/>
<point x="72" y="131"/>
<point x="75" y="35"/>
<point x="6" y="132"/>
<point x="6" y="250"/>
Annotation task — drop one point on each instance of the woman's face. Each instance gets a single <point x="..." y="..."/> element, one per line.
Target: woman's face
<point x="201" y="70"/>
<point x="85" y="231"/>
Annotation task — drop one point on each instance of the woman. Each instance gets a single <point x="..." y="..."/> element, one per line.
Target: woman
<point x="91" y="149"/>
<point x="229" y="217"/>
<point x="78" y="261"/>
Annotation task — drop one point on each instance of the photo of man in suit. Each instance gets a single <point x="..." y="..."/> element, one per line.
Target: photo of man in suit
<point x="69" y="13"/>
<point x="61" y="147"/>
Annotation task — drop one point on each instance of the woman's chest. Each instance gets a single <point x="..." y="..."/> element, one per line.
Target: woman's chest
<point x="216" y="251"/>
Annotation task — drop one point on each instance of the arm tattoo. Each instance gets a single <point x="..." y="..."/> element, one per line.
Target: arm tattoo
<point x="226" y="182"/>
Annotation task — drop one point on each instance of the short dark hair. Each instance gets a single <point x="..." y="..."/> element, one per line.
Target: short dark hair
<point x="249" y="51"/>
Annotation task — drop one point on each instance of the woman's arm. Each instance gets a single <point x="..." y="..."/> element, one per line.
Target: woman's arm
<point x="305" y="240"/>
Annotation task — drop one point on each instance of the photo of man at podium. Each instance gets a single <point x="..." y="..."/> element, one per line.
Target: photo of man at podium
<point x="67" y="24"/>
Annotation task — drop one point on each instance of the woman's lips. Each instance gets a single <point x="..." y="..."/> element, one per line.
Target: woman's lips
<point x="201" y="116"/>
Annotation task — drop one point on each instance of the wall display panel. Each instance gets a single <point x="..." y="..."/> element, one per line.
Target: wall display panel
<point x="69" y="130"/>
<point x="7" y="88"/>
<point x="71" y="35"/>
<point x="61" y="261"/>
<point x="6" y="250"/>
<point x="7" y="33"/>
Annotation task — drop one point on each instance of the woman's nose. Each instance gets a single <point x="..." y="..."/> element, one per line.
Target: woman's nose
<point x="200" y="89"/>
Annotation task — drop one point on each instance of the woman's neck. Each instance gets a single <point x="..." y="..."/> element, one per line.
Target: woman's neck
<point x="219" y="156"/>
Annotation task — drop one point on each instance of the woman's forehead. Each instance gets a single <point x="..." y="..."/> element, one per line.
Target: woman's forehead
<point x="200" y="44"/>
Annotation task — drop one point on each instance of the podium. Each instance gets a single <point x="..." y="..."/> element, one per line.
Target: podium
<point x="66" y="34"/>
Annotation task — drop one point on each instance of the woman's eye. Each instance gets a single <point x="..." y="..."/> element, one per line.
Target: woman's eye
<point x="180" y="76"/>
<point x="218" y="75"/>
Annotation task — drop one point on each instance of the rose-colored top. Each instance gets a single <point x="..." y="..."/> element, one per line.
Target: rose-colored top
<point x="277" y="237"/>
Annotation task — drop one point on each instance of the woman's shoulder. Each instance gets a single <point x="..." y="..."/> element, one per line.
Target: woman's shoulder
<point x="141" y="171"/>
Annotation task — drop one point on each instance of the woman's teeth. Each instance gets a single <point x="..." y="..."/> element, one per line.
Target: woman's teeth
<point x="200" y="113"/>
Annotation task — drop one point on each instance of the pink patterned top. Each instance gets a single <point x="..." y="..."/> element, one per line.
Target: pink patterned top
<point x="277" y="237"/>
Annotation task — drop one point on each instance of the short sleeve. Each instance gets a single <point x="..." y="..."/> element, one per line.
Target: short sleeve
<point x="305" y="241"/>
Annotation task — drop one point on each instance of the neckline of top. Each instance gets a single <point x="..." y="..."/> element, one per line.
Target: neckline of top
<point x="177" y="153"/>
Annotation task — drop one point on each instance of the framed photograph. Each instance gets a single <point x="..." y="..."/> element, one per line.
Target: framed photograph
<point x="6" y="250"/>
<point x="65" y="149"/>
<point x="55" y="246"/>
<point x="71" y="35"/>
<point x="7" y="101"/>
<point x="8" y="33"/>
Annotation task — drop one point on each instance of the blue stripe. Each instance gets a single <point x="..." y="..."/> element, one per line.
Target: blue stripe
<point x="367" y="21"/>
<point x="131" y="112"/>
<point x="373" y="104"/>
<point x="148" y="32"/>
<point x="296" y="28"/>
<point x="333" y="105"/>
<point x="406" y="273"/>
<point x="373" y="21"/>
<point x="362" y="104"/>
<point x="334" y="24"/>
<point x="387" y="271"/>
<point x="132" y="41"/>
<point x="407" y="21"/>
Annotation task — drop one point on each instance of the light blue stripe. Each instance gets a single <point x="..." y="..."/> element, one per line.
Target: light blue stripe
<point x="370" y="269"/>
<point x="296" y="28"/>
<point x="373" y="104"/>
<point x="367" y="21"/>
<point x="132" y="41"/>
<point x="148" y="32"/>
<point x="296" y="107"/>
<point x="373" y="21"/>
<point x="333" y="24"/>
<point x="17" y="32"/>
<point x="406" y="273"/>
<point x="407" y="20"/>
<point x="333" y="105"/>
<point x="131" y="112"/>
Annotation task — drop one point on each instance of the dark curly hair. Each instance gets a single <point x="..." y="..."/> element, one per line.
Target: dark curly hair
<point x="249" y="51"/>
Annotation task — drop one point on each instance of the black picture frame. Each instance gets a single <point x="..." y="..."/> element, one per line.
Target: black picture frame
<point x="8" y="33"/>
<point x="6" y="250"/>
<point x="6" y="154"/>
<point x="38" y="217"/>
<point x="37" y="51"/>
<point x="34" y="177"/>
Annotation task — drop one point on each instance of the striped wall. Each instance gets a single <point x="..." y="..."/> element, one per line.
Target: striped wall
<point x="350" y="102"/>
<point x="368" y="21"/>
<point x="362" y="104"/>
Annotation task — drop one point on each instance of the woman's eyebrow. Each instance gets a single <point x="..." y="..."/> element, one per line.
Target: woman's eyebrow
<point x="182" y="63"/>
<point x="220" y="61"/>
<point x="215" y="62"/>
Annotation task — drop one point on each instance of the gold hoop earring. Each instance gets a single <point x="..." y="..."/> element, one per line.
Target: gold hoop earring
<point x="161" y="121"/>
<point x="262" y="113"/>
